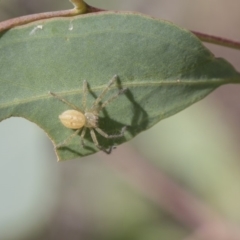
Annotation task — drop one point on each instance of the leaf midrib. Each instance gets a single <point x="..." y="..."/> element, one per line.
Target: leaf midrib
<point x="128" y="85"/>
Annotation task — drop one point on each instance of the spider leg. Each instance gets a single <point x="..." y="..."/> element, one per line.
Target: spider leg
<point x="99" y="98"/>
<point x="108" y="151"/>
<point x="82" y="136"/>
<point x="101" y="132"/>
<point x="94" y="138"/>
<point x="67" y="140"/>
<point x="84" y="97"/>
<point x="64" y="101"/>
<point x="112" y="98"/>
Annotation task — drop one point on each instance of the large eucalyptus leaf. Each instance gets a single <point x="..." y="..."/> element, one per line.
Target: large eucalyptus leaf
<point x="164" y="67"/>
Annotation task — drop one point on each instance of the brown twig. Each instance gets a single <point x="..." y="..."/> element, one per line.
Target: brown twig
<point x="8" y="24"/>
<point x="217" y="40"/>
<point x="80" y="7"/>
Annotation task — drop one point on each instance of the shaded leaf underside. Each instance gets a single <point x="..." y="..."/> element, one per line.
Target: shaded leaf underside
<point x="164" y="67"/>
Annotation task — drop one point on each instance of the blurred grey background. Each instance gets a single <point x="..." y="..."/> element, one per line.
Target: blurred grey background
<point x="178" y="180"/>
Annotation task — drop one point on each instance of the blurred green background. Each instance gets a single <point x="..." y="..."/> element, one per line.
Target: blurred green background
<point x="178" y="180"/>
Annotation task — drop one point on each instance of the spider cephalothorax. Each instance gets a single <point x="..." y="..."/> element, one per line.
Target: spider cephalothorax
<point x="87" y="118"/>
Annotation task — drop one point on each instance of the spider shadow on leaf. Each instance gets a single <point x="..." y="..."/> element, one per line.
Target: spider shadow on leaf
<point x="140" y="118"/>
<point x="138" y="123"/>
<point x="86" y="122"/>
<point x="107" y="123"/>
<point x="85" y="119"/>
<point x="75" y="152"/>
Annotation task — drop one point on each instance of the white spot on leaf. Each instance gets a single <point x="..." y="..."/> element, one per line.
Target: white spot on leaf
<point x="38" y="27"/>
<point x="70" y="26"/>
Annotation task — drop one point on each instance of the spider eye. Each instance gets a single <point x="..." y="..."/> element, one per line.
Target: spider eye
<point x="72" y="119"/>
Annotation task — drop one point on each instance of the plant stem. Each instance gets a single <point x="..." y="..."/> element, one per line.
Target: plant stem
<point x="80" y="7"/>
<point x="217" y="40"/>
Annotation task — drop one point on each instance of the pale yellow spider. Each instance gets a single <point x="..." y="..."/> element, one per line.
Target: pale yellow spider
<point x="87" y="118"/>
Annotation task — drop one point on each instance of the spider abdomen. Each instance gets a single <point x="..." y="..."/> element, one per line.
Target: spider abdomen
<point x="72" y="119"/>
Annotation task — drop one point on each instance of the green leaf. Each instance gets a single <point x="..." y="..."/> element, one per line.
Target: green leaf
<point x="164" y="67"/>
